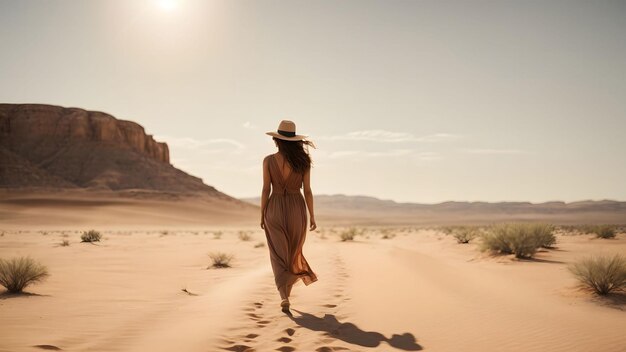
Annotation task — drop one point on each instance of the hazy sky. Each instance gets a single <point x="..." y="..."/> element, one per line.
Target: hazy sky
<point x="422" y="101"/>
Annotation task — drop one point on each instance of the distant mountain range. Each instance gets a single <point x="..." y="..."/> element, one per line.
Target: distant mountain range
<point x="376" y="211"/>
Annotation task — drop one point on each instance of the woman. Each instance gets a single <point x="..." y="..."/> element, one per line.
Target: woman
<point x="283" y="213"/>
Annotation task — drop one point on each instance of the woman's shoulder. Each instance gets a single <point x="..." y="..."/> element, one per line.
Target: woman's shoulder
<point x="267" y="158"/>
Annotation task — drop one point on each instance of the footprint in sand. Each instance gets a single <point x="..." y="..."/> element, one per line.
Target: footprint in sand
<point x="290" y="331"/>
<point x="253" y="316"/>
<point x="329" y="305"/>
<point x="262" y="323"/>
<point x="258" y="304"/>
<point x="48" y="347"/>
<point x="331" y="349"/>
<point x="284" y="340"/>
<point x="239" y="348"/>
<point x="285" y="349"/>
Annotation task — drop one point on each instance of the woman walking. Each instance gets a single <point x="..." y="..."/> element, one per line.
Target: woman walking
<point x="283" y="213"/>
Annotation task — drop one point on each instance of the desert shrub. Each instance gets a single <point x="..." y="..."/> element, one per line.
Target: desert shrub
<point x="65" y="243"/>
<point x="387" y="234"/>
<point x="602" y="274"/>
<point x="524" y="244"/>
<point x="17" y="273"/>
<point x="349" y="234"/>
<point x="164" y="233"/>
<point x="220" y="260"/>
<point x="217" y="235"/>
<point x="464" y="234"/>
<point x="244" y="236"/>
<point x="523" y="240"/>
<point x="603" y="231"/>
<point x="90" y="236"/>
<point x="497" y="239"/>
<point x="544" y="234"/>
<point x="259" y="245"/>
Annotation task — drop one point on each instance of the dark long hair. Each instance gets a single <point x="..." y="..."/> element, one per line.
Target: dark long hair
<point x="296" y="153"/>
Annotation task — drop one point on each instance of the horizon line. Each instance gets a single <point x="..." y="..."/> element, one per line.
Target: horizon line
<point x="458" y="201"/>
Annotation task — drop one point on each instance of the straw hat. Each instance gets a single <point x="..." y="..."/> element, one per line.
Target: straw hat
<point x="286" y="131"/>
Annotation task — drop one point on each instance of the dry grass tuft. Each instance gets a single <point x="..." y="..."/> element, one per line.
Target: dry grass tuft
<point x="349" y="234"/>
<point x="65" y="243"/>
<point x="18" y="273"/>
<point x="217" y="235"/>
<point x="464" y="234"/>
<point x="602" y="274"/>
<point x="220" y="260"/>
<point x="245" y="236"/>
<point x="91" y="236"/>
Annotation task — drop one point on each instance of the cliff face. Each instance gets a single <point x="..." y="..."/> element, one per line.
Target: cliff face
<point x="25" y="124"/>
<point x="53" y="146"/>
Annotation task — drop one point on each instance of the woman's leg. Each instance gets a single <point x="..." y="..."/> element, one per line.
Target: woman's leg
<point x="284" y="294"/>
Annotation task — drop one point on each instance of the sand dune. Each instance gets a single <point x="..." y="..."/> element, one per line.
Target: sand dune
<point x="419" y="290"/>
<point x="47" y="209"/>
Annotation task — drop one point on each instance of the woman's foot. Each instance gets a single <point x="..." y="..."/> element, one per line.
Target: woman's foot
<point x="284" y="304"/>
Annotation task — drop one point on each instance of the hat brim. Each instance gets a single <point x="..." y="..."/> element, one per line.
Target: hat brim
<point x="297" y="137"/>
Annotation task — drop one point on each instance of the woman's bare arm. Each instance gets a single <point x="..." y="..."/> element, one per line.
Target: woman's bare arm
<point x="265" y="194"/>
<point x="308" y="197"/>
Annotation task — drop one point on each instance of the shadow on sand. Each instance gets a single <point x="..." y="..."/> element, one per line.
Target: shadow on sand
<point x="615" y="300"/>
<point x="8" y="295"/>
<point x="350" y="333"/>
<point x="539" y="260"/>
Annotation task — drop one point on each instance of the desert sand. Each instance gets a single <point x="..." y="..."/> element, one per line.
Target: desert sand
<point x="419" y="290"/>
<point x="127" y="209"/>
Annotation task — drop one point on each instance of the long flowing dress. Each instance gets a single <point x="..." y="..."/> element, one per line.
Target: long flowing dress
<point x="285" y="228"/>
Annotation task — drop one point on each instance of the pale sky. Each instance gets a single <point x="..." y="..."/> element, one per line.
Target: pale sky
<point x="422" y="101"/>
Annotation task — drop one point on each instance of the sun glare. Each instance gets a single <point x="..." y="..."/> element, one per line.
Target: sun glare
<point x="168" y="5"/>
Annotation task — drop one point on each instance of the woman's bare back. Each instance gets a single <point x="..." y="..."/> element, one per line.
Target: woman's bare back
<point x="285" y="168"/>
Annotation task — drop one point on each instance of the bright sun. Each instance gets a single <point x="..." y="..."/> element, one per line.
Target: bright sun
<point x="168" y="5"/>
